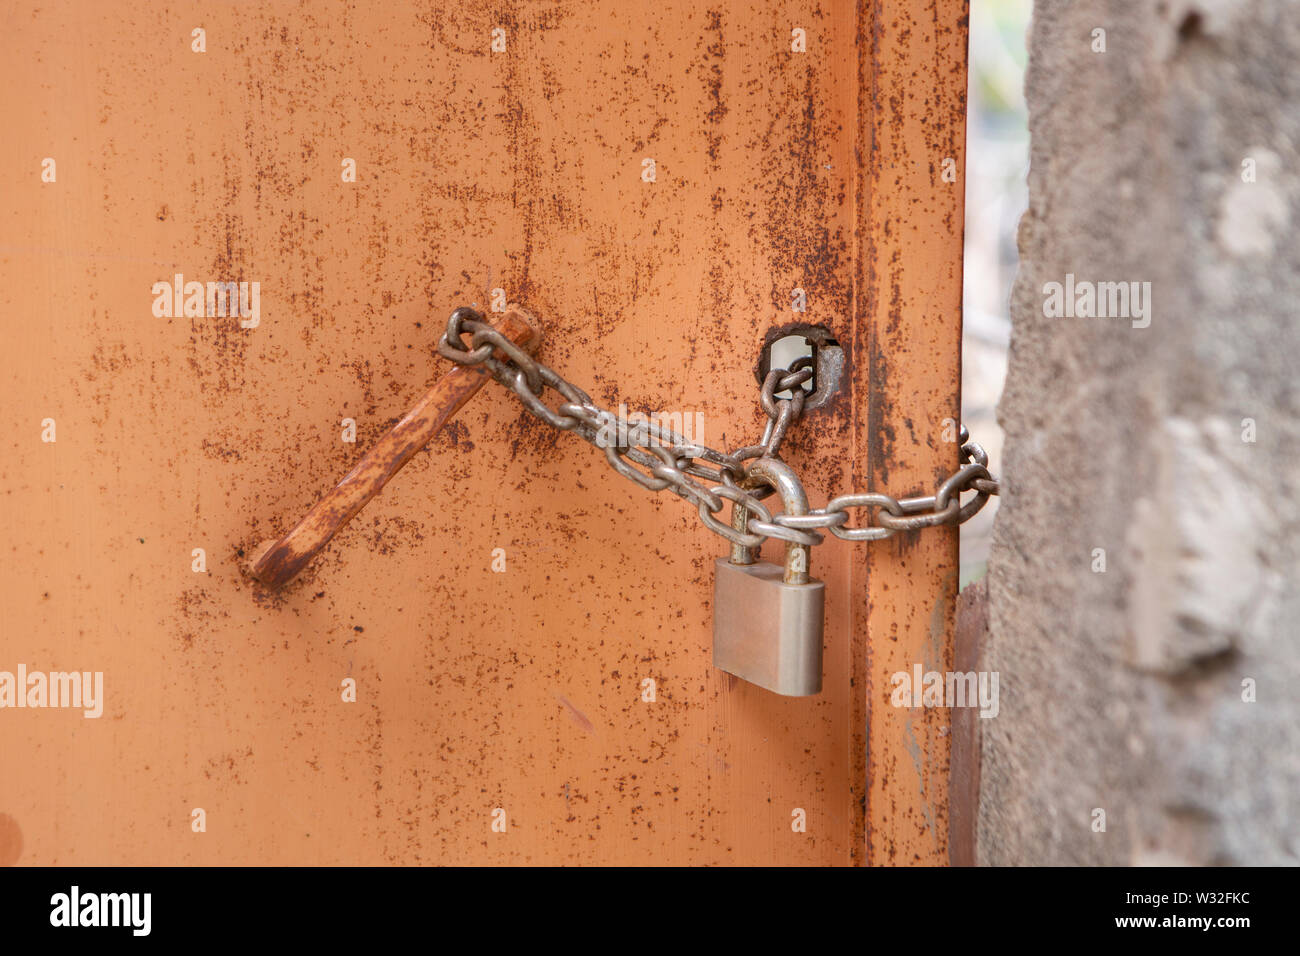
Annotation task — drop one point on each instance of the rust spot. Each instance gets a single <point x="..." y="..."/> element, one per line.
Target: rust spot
<point x="11" y="840"/>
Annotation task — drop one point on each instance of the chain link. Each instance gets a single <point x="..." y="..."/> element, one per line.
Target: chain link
<point x="659" y="458"/>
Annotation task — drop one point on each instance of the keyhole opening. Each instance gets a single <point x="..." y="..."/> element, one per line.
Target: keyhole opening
<point x="784" y="345"/>
<point x="785" y="352"/>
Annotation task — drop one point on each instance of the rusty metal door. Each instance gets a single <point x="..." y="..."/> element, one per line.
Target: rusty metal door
<point x="527" y="636"/>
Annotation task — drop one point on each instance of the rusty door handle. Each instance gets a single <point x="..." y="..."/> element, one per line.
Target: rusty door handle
<point x="281" y="560"/>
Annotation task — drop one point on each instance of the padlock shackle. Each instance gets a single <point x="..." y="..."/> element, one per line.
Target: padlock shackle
<point x="779" y="476"/>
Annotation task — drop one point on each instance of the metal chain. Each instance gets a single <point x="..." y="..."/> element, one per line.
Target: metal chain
<point x="668" y="460"/>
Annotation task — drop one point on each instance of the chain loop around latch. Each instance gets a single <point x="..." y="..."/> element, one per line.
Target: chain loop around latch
<point x="735" y="495"/>
<point x="658" y="459"/>
<point x="781" y="413"/>
<point x="452" y="346"/>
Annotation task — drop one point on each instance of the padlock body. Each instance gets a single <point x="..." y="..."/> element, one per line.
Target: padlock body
<point x="766" y="631"/>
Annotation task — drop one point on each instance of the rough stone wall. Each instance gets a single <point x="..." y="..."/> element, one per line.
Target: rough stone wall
<point x="1169" y="158"/>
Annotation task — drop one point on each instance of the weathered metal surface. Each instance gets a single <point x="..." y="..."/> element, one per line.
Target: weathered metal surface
<point x="907" y="340"/>
<point x="524" y="691"/>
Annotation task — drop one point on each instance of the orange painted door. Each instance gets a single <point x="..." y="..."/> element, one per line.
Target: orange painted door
<point x="653" y="181"/>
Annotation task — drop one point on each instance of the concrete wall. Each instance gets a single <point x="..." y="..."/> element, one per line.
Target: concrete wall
<point x="1123" y="689"/>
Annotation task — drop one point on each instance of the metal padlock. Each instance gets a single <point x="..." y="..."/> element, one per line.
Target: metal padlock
<point x="768" y="620"/>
